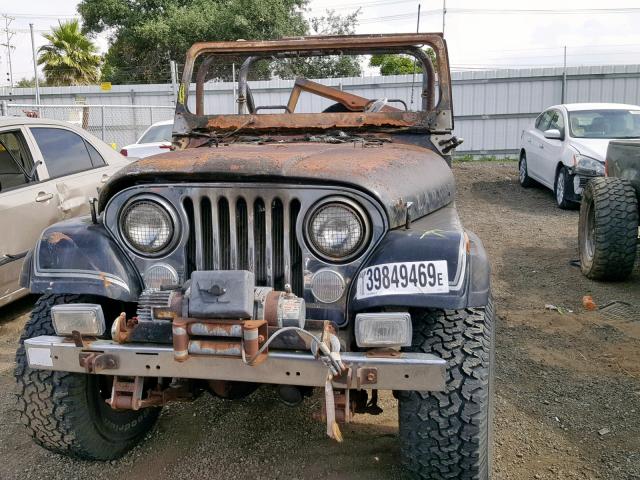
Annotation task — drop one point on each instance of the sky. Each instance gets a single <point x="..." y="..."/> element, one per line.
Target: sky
<point x="480" y="34"/>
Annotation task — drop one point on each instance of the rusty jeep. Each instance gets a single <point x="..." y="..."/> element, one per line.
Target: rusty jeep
<point x="296" y="250"/>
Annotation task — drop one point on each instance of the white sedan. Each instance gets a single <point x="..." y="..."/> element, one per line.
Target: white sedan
<point x="156" y="139"/>
<point x="568" y="144"/>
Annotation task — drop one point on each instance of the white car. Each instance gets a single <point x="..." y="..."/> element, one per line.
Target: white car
<point x="49" y="170"/>
<point x="156" y="139"/>
<point x="568" y="144"/>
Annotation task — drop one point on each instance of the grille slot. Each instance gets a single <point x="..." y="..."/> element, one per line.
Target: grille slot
<point x="230" y="232"/>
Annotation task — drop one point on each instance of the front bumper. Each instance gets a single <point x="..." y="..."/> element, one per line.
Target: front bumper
<point x="404" y="371"/>
<point x="580" y="179"/>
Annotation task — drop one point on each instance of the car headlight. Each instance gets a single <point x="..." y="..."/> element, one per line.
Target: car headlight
<point x="337" y="229"/>
<point x="148" y="225"/>
<point x="588" y="164"/>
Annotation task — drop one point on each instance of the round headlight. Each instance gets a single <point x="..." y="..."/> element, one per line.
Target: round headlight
<point x="147" y="226"/>
<point x="337" y="230"/>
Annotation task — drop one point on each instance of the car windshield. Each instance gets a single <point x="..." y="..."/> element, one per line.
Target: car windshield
<point x="605" y="123"/>
<point x="157" y="133"/>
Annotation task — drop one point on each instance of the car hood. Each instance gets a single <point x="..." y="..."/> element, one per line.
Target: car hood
<point x="399" y="176"/>
<point x="591" y="147"/>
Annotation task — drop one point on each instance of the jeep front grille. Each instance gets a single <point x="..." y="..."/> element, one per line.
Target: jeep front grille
<point x="245" y="233"/>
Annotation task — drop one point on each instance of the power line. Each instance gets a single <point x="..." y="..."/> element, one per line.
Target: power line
<point x="478" y="11"/>
<point x="29" y="15"/>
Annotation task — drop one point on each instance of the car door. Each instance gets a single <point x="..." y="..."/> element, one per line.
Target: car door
<point x="551" y="149"/>
<point x="73" y="164"/>
<point x="534" y="152"/>
<point x="27" y="206"/>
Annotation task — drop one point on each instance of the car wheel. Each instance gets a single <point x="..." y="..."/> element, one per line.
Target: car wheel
<point x="523" y="175"/>
<point x="448" y="434"/>
<point x="608" y="229"/>
<point x="563" y="189"/>
<point x="66" y="412"/>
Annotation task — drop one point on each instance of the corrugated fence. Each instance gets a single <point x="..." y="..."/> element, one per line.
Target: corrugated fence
<point x="491" y="107"/>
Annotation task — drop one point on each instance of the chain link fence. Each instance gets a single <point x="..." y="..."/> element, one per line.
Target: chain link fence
<point x="116" y="125"/>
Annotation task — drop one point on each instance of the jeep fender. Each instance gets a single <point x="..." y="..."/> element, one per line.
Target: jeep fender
<point x="438" y="236"/>
<point x="77" y="256"/>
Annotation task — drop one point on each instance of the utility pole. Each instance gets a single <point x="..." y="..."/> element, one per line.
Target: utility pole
<point x="564" y="76"/>
<point x="444" y="14"/>
<point x="413" y="78"/>
<point x="35" y="66"/>
<point x="9" y="35"/>
<point x="174" y="80"/>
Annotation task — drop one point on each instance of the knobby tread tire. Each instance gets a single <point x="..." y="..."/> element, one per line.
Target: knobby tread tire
<point x="60" y="409"/>
<point x="448" y="435"/>
<point x="615" y="237"/>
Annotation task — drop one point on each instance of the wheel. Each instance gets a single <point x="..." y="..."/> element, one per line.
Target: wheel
<point x="525" y="180"/>
<point x="66" y="412"/>
<point x="449" y="434"/>
<point x="563" y="189"/>
<point x="608" y="229"/>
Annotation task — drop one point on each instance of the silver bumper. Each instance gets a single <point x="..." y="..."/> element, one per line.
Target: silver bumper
<point x="407" y="371"/>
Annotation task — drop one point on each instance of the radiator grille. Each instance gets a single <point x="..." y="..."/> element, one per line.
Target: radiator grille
<point x="244" y="233"/>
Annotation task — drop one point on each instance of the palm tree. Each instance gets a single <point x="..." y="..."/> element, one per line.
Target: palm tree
<point x="69" y="58"/>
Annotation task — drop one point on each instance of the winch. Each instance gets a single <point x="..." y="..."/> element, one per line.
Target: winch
<point x="218" y="312"/>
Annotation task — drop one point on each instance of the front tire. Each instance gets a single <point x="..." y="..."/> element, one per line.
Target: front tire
<point x="563" y="189"/>
<point x="449" y="434"/>
<point x="66" y="412"/>
<point x="608" y="229"/>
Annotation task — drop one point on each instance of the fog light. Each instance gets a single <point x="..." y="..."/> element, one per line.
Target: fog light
<point x="327" y="286"/>
<point x="86" y="318"/>
<point x="160" y="274"/>
<point x="387" y="329"/>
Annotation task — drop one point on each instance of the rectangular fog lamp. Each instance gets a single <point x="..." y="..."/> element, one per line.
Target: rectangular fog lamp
<point x="387" y="329"/>
<point x="86" y="318"/>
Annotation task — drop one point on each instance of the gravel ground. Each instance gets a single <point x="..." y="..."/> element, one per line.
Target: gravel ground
<point x="568" y="385"/>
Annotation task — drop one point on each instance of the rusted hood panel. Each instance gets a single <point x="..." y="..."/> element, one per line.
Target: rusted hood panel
<point x="394" y="173"/>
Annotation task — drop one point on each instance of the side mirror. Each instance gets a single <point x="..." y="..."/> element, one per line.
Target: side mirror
<point x="553" y="134"/>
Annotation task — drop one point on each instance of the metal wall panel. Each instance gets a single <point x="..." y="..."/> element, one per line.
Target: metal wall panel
<point x="491" y="107"/>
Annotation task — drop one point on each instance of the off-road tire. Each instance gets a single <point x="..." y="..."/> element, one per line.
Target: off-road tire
<point x="608" y="229"/>
<point x="563" y="189"/>
<point x="65" y="412"/>
<point x="448" y="435"/>
<point x="523" y="174"/>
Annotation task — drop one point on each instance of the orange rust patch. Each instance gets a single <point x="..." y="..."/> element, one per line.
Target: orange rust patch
<point x="105" y="281"/>
<point x="57" y="237"/>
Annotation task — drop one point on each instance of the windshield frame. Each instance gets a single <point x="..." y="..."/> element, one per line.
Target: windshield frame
<point x="432" y="118"/>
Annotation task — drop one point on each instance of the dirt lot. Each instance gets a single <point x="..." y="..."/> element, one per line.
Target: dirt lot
<point x="568" y="384"/>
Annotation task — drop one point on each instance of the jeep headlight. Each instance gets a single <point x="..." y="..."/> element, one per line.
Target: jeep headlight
<point x="588" y="165"/>
<point x="337" y="229"/>
<point x="148" y="225"/>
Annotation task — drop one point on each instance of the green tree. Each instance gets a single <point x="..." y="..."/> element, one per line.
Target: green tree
<point x="146" y="34"/>
<point x="400" y="64"/>
<point x="30" y="82"/>
<point x="70" y="58"/>
<point x="330" y="66"/>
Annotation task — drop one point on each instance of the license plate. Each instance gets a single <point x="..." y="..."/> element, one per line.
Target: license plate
<point x="403" y="278"/>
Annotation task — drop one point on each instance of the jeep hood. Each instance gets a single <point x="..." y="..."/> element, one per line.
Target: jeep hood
<point x="394" y="174"/>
